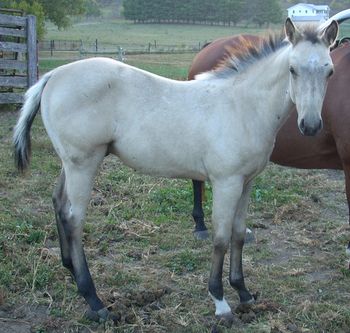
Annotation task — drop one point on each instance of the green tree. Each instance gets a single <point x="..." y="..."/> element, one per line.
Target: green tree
<point x="263" y="12"/>
<point x="230" y="11"/>
<point x="57" y="11"/>
<point x="92" y="8"/>
<point x="130" y="10"/>
<point x="33" y="8"/>
<point x="209" y="11"/>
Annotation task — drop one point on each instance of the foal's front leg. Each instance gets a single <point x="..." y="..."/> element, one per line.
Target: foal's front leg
<point x="237" y="242"/>
<point x="226" y="196"/>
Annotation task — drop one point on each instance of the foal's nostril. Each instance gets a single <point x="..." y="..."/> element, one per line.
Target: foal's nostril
<point x="302" y="125"/>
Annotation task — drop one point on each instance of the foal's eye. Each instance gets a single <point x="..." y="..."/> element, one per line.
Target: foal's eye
<point x="292" y="71"/>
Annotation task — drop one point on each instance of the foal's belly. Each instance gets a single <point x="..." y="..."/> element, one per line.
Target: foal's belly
<point x="160" y="160"/>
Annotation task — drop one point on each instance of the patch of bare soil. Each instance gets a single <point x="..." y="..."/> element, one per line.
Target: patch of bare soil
<point x="25" y="318"/>
<point x="250" y="312"/>
<point x="146" y="300"/>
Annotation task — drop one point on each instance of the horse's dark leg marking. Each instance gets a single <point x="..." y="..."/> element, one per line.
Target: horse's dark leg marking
<point x="70" y="199"/>
<point x="215" y="281"/>
<point x="72" y="252"/>
<point x="236" y="277"/>
<point x="200" y="231"/>
<point x="59" y="200"/>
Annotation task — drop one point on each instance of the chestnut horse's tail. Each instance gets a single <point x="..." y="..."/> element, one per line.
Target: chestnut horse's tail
<point x="21" y="137"/>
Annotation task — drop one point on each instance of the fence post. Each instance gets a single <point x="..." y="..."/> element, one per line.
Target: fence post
<point x="96" y="45"/>
<point x="32" y="68"/>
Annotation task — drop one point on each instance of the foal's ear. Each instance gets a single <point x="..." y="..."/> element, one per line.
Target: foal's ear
<point x="330" y="34"/>
<point x="292" y="32"/>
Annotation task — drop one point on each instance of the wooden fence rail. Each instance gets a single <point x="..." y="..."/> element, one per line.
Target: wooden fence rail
<point x="18" y="56"/>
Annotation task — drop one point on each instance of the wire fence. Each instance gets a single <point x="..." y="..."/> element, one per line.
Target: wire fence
<point x="97" y="47"/>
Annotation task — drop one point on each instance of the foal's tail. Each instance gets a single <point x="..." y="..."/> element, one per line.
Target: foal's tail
<point x="21" y="137"/>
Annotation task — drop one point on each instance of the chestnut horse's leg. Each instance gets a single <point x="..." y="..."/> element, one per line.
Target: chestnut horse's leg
<point x="346" y="167"/>
<point x="71" y="198"/>
<point x="200" y="231"/>
<point x="236" y="277"/>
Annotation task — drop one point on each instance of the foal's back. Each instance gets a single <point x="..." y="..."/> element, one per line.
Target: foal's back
<point x="145" y="119"/>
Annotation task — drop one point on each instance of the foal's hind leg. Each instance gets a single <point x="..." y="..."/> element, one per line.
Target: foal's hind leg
<point x="60" y="204"/>
<point x="71" y="199"/>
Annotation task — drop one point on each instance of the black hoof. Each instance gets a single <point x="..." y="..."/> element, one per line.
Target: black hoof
<point x="201" y="235"/>
<point x="249" y="301"/>
<point x="101" y="315"/>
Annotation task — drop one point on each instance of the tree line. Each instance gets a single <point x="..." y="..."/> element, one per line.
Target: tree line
<point x="203" y="11"/>
<point x="229" y="12"/>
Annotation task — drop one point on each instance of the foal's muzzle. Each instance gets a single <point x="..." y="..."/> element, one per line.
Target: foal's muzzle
<point x="310" y="128"/>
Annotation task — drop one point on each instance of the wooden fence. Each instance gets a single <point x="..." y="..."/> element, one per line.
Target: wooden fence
<point x="18" y="56"/>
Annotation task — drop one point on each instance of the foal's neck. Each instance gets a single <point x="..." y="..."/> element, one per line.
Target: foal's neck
<point x="269" y="83"/>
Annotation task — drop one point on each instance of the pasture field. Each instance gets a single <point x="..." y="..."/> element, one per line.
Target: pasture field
<point x="125" y="32"/>
<point x="145" y="262"/>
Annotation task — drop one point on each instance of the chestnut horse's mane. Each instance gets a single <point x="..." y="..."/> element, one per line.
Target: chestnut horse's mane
<point x="245" y="52"/>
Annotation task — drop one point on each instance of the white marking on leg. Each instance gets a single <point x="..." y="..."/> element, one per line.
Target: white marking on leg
<point x="348" y="251"/>
<point x="221" y="307"/>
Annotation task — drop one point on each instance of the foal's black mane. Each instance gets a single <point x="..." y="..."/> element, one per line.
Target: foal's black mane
<point x="245" y="53"/>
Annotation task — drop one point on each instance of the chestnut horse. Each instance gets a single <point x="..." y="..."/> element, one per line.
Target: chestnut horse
<point x="330" y="149"/>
